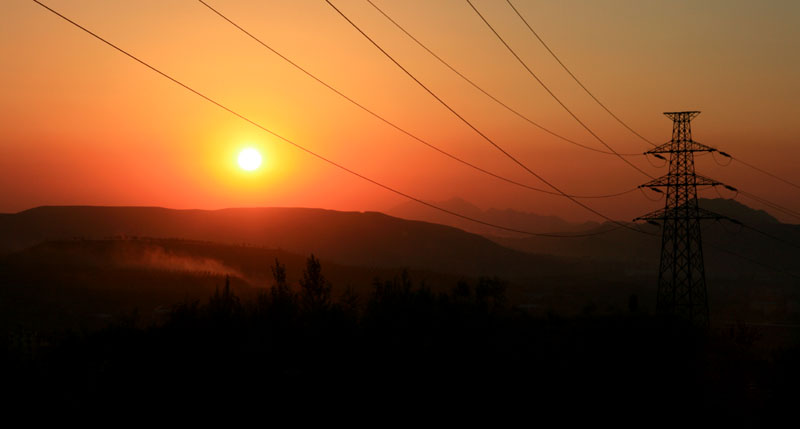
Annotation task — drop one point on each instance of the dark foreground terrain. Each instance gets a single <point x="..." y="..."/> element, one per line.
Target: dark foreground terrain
<point x="402" y="347"/>
<point x="94" y="315"/>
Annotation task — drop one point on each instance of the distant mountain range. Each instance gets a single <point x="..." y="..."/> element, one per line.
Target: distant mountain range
<point x="89" y="261"/>
<point x="428" y="239"/>
<point x="720" y="238"/>
<point x="525" y="221"/>
<point x="371" y="239"/>
<point x="365" y="239"/>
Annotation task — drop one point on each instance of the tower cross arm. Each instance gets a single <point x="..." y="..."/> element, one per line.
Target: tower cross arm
<point x="672" y="180"/>
<point x="688" y="146"/>
<point x="682" y="212"/>
<point x="684" y="116"/>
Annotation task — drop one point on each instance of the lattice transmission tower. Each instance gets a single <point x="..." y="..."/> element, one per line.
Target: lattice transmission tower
<point x="681" y="275"/>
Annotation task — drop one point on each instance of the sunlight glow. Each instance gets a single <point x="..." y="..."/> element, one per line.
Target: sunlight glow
<point x="249" y="159"/>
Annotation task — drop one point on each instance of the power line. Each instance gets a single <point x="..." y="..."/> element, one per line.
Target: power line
<point x="761" y="170"/>
<point x="725" y="249"/>
<point x="749" y="259"/>
<point x="298" y="146"/>
<point x="309" y="151"/>
<point x="773" y="205"/>
<point x="764" y="201"/>
<point x="681" y="279"/>
<point x="392" y="124"/>
<point x="738" y="255"/>
<point x="759" y="231"/>
<point x="575" y="78"/>
<point x="714" y="157"/>
<point x="470" y="125"/>
<point x="492" y="97"/>
<point x="768" y="203"/>
<point x="770" y="236"/>
<point x="574" y="116"/>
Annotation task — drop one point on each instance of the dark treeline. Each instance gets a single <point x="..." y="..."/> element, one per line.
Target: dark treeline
<point x="403" y="346"/>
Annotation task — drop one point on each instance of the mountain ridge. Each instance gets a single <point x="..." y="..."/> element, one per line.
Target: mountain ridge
<point x="526" y="221"/>
<point x="359" y="238"/>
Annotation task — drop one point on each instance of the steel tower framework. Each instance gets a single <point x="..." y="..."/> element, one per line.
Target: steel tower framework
<point x="681" y="277"/>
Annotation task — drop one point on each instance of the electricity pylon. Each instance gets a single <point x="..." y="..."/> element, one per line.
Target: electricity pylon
<point x="681" y="275"/>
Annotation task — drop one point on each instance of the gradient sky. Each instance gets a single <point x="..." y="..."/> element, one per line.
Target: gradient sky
<point x="82" y="124"/>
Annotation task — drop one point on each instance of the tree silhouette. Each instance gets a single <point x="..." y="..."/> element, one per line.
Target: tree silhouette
<point x="349" y="301"/>
<point x="279" y="274"/>
<point x="224" y="305"/>
<point x="315" y="289"/>
<point x="280" y="303"/>
<point x="280" y="291"/>
<point x="490" y="294"/>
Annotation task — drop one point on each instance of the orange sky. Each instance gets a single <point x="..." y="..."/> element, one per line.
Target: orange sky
<point x="83" y="124"/>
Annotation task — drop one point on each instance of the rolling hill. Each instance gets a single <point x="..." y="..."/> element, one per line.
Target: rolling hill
<point x="365" y="239"/>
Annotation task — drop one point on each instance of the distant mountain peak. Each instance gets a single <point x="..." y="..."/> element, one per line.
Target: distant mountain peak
<point x="736" y="210"/>
<point x="510" y="218"/>
<point x="460" y="204"/>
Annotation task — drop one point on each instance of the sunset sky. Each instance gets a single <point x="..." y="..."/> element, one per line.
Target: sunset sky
<point x="83" y="124"/>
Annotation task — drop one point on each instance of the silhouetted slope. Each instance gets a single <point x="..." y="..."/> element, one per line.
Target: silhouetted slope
<point x="64" y="283"/>
<point x="737" y="210"/>
<point x="510" y="218"/>
<point x="364" y="239"/>
<point x="67" y="285"/>
<point x="641" y="252"/>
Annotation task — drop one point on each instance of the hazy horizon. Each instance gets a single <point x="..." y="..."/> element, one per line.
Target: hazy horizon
<point x="84" y="125"/>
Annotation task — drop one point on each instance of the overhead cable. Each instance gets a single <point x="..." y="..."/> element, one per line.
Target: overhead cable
<point x="575" y="78"/>
<point x="397" y="127"/>
<point x="470" y="125"/>
<point x="487" y="93"/>
<point x="304" y="149"/>
<point x="553" y="95"/>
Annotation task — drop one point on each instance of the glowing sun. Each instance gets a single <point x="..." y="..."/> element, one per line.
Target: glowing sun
<point x="249" y="159"/>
